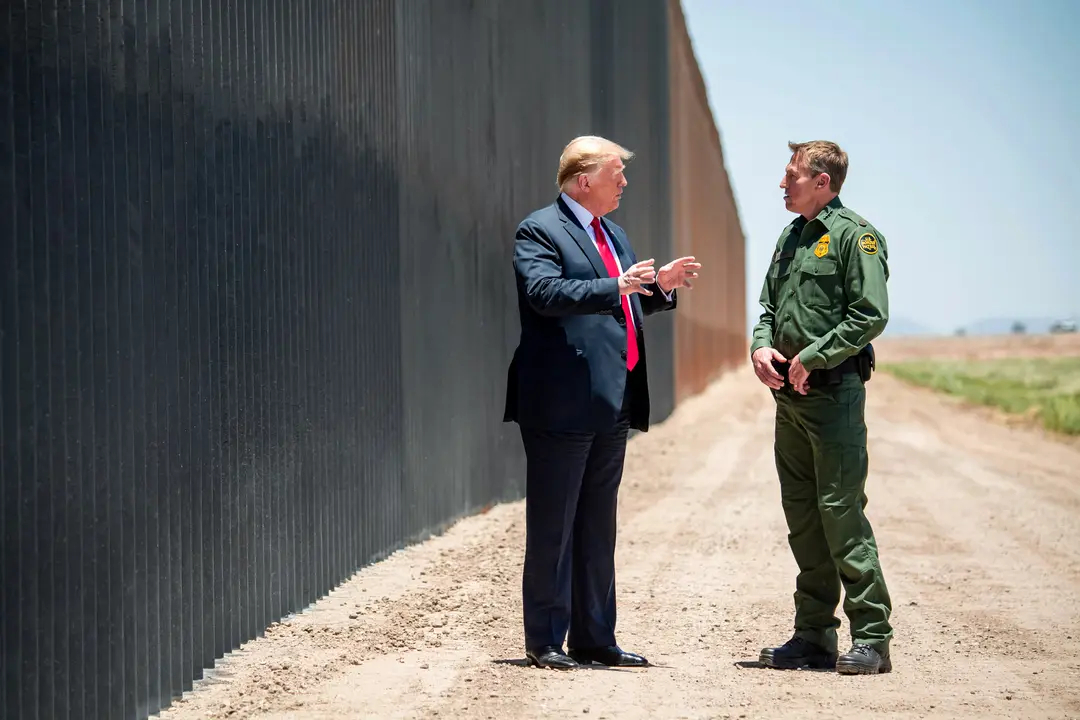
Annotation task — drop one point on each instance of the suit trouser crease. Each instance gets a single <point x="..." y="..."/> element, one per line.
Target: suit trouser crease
<point x="592" y="598"/>
<point x="568" y="582"/>
<point x="822" y="463"/>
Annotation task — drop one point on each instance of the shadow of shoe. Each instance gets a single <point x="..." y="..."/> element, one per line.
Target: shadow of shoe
<point x="600" y="666"/>
<point x="524" y="662"/>
<point x="756" y="665"/>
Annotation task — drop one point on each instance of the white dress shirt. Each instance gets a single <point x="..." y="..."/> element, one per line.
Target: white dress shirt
<point x="585" y="218"/>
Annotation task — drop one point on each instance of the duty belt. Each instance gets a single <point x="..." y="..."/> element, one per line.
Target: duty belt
<point x="861" y="364"/>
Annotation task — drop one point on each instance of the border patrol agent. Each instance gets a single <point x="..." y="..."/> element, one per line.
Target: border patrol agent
<point x="824" y="301"/>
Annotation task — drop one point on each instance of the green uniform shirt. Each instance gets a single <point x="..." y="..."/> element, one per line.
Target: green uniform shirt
<point x="824" y="295"/>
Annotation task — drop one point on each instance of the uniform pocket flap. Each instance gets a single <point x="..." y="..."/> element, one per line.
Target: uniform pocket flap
<point x="821" y="267"/>
<point x="780" y="269"/>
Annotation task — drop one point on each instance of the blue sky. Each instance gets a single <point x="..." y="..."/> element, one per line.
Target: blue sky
<point x="961" y="120"/>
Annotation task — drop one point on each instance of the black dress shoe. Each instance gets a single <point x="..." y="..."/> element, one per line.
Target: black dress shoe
<point x="863" y="660"/>
<point x="798" y="653"/>
<point x="612" y="655"/>
<point x="550" y="656"/>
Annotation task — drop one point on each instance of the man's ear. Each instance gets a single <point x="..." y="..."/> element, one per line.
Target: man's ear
<point x="822" y="181"/>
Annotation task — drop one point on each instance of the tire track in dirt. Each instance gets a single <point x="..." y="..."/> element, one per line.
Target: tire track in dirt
<point x="979" y="533"/>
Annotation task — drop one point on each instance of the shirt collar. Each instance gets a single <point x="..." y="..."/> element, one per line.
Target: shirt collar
<point x="583" y="216"/>
<point x="829" y="209"/>
<point x="826" y="212"/>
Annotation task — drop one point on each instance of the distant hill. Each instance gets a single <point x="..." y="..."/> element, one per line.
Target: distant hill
<point x="1004" y="326"/>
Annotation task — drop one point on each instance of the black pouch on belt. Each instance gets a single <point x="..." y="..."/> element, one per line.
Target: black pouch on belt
<point x="866" y="362"/>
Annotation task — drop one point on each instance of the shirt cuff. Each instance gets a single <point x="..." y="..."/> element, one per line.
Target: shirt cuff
<point x="811" y="359"/>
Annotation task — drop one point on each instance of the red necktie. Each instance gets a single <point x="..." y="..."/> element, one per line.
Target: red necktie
<point x="613" y="271"/>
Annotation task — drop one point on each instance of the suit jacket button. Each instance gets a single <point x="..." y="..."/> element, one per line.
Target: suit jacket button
<point x="623" y="353"/>
<point x="622" y="319"/>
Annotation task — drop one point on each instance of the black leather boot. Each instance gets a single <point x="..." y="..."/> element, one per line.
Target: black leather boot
<point x="798" y="653"/>
<point x="863" y="660"/>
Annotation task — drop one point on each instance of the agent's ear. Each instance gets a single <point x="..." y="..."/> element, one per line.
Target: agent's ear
<point x="822" y="181"/>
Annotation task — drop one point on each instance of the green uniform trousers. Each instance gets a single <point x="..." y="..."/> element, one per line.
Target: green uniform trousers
<point x="821" y="460"/>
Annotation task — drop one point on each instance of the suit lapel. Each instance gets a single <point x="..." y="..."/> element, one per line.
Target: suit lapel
<point x="620" y="247"/>
<point x="589" y="248"/>
<point x="581" y="238"/>
<point x="625" y="261"/>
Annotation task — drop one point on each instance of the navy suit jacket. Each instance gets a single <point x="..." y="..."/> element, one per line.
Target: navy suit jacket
<point x="568" y="372"/>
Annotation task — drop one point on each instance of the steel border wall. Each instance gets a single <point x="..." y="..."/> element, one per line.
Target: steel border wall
<point x="710" y="335"/>
<point x="257" y="301"/>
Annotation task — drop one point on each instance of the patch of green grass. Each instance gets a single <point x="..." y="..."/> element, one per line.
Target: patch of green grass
<point x="1046" y="387"/>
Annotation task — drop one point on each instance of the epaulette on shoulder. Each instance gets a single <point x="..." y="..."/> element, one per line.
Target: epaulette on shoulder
<point x="852" y="216"/>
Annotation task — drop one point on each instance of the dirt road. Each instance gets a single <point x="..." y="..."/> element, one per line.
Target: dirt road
<point x="979" y="530"/>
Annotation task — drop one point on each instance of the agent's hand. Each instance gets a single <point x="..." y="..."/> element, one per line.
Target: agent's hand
<point x="678" y="274"/>
<point x="636" y="277"/>
<point x="799" y="376"/>
<point x="763" y="366"/>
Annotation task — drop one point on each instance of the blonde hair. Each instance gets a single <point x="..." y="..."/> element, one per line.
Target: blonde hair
<point x="584" y="154"/>
<point x="822" y="156"/>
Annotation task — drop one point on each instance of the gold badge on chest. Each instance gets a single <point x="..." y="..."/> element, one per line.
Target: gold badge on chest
<point x="822" y="248"/>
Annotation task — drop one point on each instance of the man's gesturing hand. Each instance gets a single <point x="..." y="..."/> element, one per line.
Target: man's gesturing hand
<point x="763" y="359"/>
<point x="678" y="274"/>
<point x="636" y="277"/>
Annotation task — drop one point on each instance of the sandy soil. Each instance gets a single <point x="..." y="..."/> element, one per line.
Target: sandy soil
<point x="978" y="525"/>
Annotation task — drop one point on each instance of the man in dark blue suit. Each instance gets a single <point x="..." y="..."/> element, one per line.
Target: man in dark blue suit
<point x="577" y="384"/>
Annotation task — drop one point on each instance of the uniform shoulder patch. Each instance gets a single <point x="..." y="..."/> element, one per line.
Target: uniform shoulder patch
<point x="868" y="243"/>
<point x="822" y="248"/>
